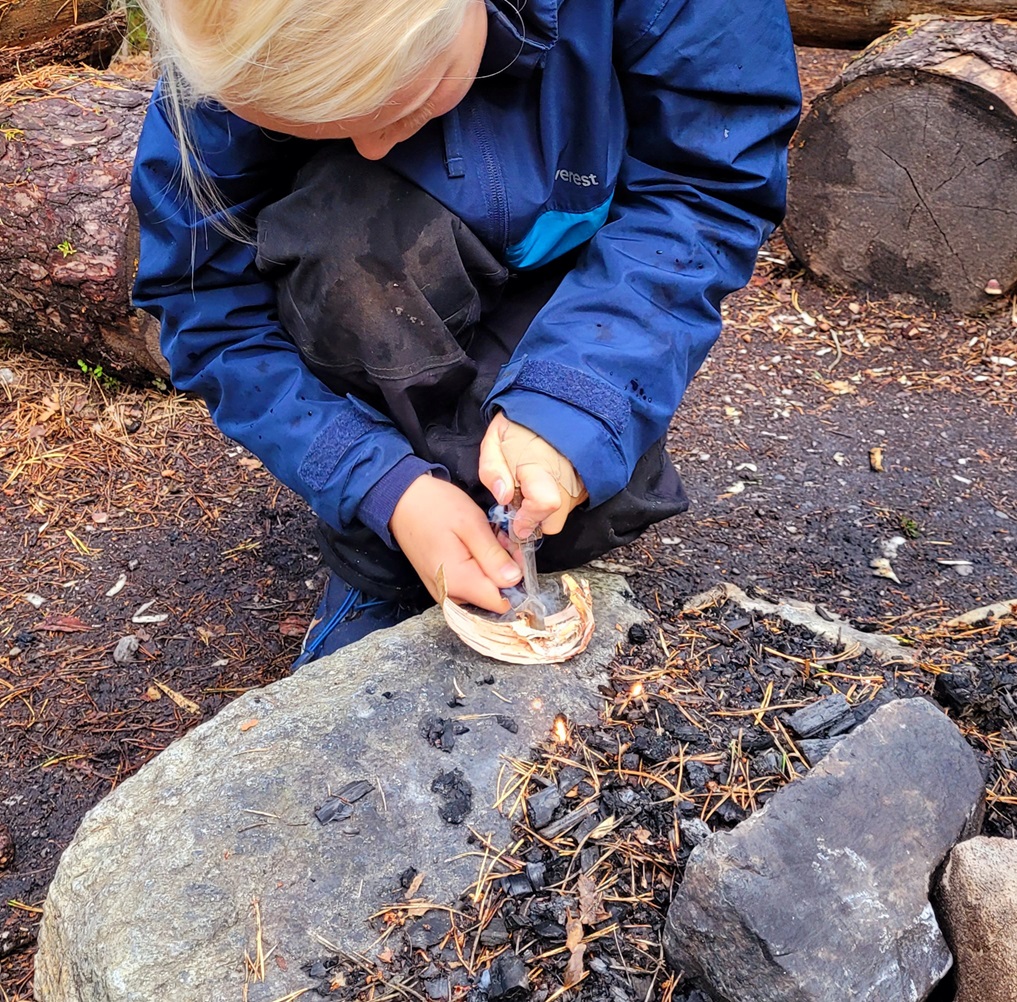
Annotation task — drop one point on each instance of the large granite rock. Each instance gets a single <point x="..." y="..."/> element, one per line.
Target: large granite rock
<point x="977" y="903"/>
<point x="153" y="898"/>
<point x="822" y="896"/>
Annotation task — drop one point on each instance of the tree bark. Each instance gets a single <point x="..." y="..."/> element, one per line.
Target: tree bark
<point x="23" y="22"/>
<point x="852" y="24"/>
<point x="68" y="233"/>
<point x="904" y="174"/>
<point x="94" y="43"/>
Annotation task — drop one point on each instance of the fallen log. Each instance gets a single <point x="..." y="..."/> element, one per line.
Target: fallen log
<point x="23" y="22"/>
<point x="852" y="24"/>
<point x="904" y="174"/>
<point x="94" y="43"/>
<point x="69" y="242"/>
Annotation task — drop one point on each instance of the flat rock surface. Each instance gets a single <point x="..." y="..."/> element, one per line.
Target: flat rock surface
<point x="154" y="898"/>
<point x="823" y="894"/>
<point x="977" y="904"/>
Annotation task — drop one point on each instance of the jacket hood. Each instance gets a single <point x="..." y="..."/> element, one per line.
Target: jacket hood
<point x="518" y="38"/>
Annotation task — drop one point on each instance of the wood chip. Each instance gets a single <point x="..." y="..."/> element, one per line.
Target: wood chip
<point x="182" y="701"/>
<point x="118" y="587"/>
<point x="141" y="617"/>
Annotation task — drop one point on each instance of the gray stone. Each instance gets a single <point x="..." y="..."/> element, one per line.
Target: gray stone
<point x="977" y="904"/>
<point x="153" y="898"/>
<point x="822" y="895"/>
<point x="816" y="749"/>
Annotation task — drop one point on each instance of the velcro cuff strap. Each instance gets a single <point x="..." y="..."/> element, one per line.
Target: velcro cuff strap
<point x="326" y="451"/>
<point x="577" y="388"/>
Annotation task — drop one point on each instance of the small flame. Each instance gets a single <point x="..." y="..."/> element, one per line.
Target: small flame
<point x="637" y="689"/>
<point x="537" y="704"/>
<point x="561" y="731"/>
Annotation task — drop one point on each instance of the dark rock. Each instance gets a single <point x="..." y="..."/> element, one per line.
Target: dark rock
<point x="429" y="930"/>
<point x="456" y="793"/>
<point x="540" y="807"/>
<point x="509" y="723"/>
<point x="817" y="717"/>
<point x="510" y="981"/>
<point x="822" y="894"/>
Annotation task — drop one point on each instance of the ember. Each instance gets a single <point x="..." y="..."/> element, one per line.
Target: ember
<point x="561" y="731"/>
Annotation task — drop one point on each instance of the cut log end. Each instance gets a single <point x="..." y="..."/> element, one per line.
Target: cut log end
<point x="904" y="182"/>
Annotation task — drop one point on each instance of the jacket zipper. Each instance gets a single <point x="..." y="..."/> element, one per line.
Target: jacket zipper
<point x="493" y="181"/>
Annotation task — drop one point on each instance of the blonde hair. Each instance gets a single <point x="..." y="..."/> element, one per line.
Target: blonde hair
<point x="300" y="61"/>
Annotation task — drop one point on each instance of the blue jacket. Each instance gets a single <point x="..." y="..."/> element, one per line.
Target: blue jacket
<point x="653" y="132"/>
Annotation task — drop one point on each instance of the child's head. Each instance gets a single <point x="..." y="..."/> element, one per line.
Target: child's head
<point x="305" y="60"/>
<point x="371" y="70"/>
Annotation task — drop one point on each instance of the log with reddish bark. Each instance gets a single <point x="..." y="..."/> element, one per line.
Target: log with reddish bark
<point x="69" y="243"/>
<point x="904" y="174"/>
<point x="94" y="43"/>
<point x="23" y="22"/>
<point x="852" y="24"/>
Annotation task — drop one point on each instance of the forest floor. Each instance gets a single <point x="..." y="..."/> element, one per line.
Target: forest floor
<point x="825" y="432"/>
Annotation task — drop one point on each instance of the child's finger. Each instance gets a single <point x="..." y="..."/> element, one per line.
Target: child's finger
<point x="491" y="558"/>
<point x="468" y="583"/>
<point x="541" y="501"/>
<point x="494" y="470"/>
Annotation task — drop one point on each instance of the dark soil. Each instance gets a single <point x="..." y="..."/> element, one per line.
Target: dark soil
<point x="103" y="482"/>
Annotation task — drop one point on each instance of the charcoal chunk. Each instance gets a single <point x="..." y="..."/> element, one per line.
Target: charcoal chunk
<point x="510" y="981"/>
<point x="456" y="795"/>
<point x="540" y="807"/>
<point x="429" y="930"/>
<point x="817" y="717"/>
<point x="495" y="933"/>
<point x="340" y="806"/>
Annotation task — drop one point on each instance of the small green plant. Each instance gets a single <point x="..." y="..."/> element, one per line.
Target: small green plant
<point x="909" y="526"/>
<point x="66" y="248"/>
<point x="103" y="379"/>
<point x="137" y="28"/>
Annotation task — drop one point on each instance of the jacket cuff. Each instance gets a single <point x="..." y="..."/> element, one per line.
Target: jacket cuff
<point x="376" y="507"/>
<point x="582" y="416"/>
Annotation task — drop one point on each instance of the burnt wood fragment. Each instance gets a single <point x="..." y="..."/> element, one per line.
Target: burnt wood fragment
<point x="510" y="981"/>
<point x="817" y="717"/>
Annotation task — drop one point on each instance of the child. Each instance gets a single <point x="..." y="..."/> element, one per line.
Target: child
<point x="419" y="254"/>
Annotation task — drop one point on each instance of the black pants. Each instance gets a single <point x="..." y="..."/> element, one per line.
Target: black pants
<point x="389" y="297"/>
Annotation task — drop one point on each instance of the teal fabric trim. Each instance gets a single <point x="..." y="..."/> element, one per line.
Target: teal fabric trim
<point x="553" y="234"/>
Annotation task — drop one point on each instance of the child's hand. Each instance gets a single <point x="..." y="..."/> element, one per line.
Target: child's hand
<point x="436" y="523"/>
<point x="512" y="455"/>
